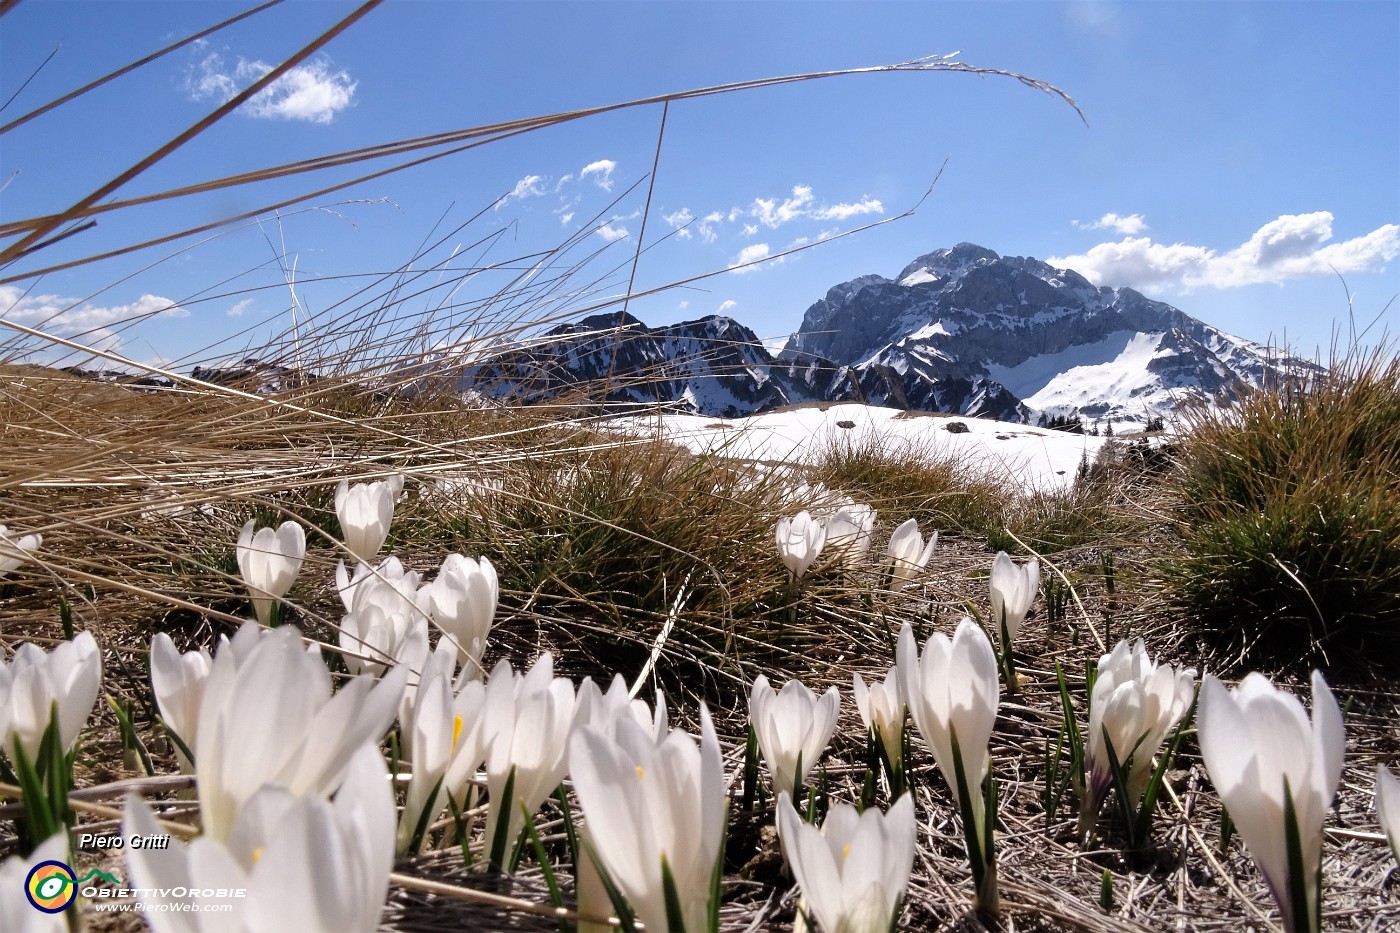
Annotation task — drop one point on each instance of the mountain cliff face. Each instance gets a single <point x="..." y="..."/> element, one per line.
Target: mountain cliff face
<point x="960" y="330"/>
<point x="712" y="366"/>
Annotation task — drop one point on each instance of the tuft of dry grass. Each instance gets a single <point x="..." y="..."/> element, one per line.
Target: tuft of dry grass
<point x="1288" y="514"/>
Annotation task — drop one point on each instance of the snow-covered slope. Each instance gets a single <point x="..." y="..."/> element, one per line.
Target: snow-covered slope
<point x="1032" y="458"/>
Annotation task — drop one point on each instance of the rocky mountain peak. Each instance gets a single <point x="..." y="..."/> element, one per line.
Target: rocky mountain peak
<point x="960" y="330"/>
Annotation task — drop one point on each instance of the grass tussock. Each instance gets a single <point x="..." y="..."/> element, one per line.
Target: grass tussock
<point x="912" y="482"/>
<point x="1289" y="518"/>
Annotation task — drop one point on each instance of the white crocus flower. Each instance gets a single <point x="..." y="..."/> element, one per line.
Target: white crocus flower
<point x="1388" y="806"/>
<point x="16" y="914"/>
<point x="178" y="683"/>
<point x="391" y="577"/>
<point x="800" y="540"/>
<point x="303" y="863"/>
<point x="461" y="601"/>
<point x="646" y="802"/>
<point x="908" y="553"/>
<point x="70" y="675"/>
<point x="270" y="561"/>
<point x="603" y="711"/>
<point x="1013" y="591"/>
<point x="269" y="717"/>
<point x="848" y="533"/>
<point x="953" y="686"/>
<point x="854" y="871"/>
<point x="1138" y="703"/>
<point x="15" y="551"/>
<point x="365" y="511"/>
<point x="383" y="614"/>
<point x="1260" y="750"/>
<point x="881" y="706"/>
<point x="953" y="694"/>
<point x="793" y="728"/>
<point x="443" y="742"/>
<point x="525" y="728"/>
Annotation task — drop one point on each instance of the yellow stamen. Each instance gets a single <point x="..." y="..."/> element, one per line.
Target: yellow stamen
<point x="845" y="853"/>
<point x="257" y="855"/>
<point x="640" y="773"/>
<point x="456" y="730"/>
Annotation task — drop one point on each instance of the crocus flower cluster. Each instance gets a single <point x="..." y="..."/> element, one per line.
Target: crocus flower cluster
<point x="1134" y="705"/>
<point x="847" y="533"/>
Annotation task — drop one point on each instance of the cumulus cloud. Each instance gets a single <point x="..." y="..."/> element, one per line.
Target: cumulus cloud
<point x="680" y="221"/>
<point x="866" y="205"/>
<point x="1287" y="248"/>
<point x="93" y="325"/>
<point x="565" y="218"/>
<point x="314" y="91"/>
<point x="1129" y="225"/>
<point x="750" y="229"/>
<point x="612" y="231"/>
<point x="601" y="172"/>
<point x="725" y="305"/>
<point x="238" y="309"/>
<point x="531" y="186"/>
<point x="751" y="254"/>
<point x="773" y="213"/>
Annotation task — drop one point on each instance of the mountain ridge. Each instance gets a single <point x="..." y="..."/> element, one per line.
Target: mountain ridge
<point x="960" y="330"/>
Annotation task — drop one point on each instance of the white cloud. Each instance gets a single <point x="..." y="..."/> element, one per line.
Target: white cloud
<point x="726" y="305"/>
<point x="568" y="177"/>
<point x="750" y="254"/>
<point x="713" y="217"/>
<point x="314" y="91"/>
<point x="866" y="205"/>
<point x="1129" y="225"/>
<point x="531" y="186"/>
<point x="772" y="214"/>
<point x="612" y="232"/>
<point x="680" y="221"/>
<point x="93" y="325"/>
<point x="750" y="229"/>
<point x="565" y="218"/>
<point x="603" y="169"/>
<point x="242" y="306"/>
<point x="683" y="305"/>
<point x="1287" y="248"/>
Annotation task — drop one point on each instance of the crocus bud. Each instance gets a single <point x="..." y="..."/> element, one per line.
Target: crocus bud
<point x="908" y="553"/>
<point x="793" y="728"/>
<point x="1265" y="758"/>
<point x="365" y="511"/>
<point x="1013" y="590"/>
<point x="270" y="561"/>
<point x="800" y="541"/>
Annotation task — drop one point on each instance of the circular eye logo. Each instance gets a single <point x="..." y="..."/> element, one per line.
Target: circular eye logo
<point x="50" y="887"/>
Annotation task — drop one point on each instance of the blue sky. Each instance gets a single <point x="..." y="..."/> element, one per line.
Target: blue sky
<point x="1235" y="154"/>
